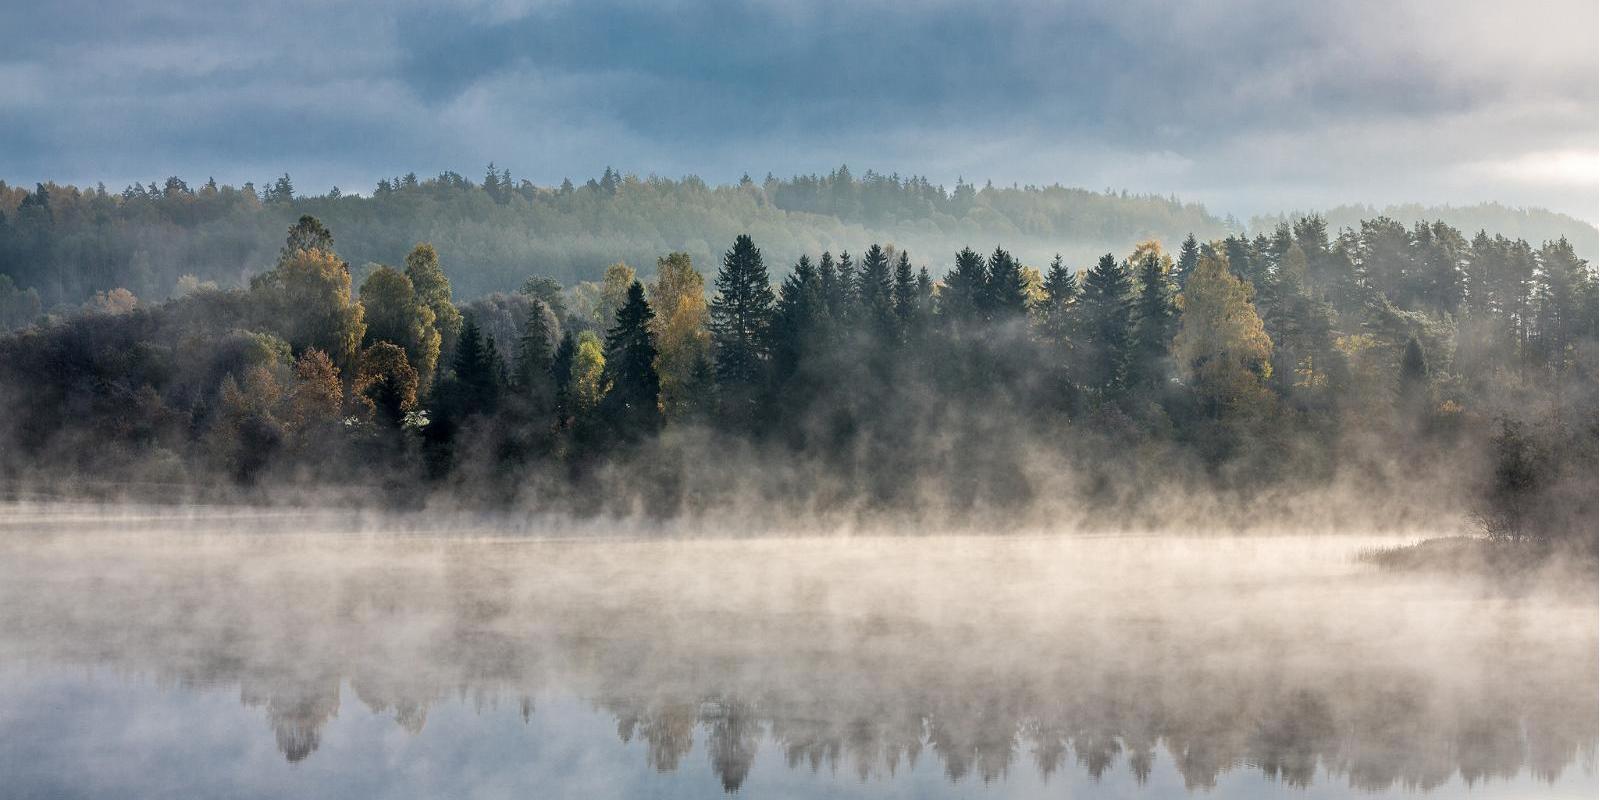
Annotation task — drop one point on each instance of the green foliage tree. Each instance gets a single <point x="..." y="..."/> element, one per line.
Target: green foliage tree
<point x="633" y="403"/>
<point x="1106" y="313"/>
<point x="740" y="315"/>
<point x="1222" y="345"/>
<point x="395" y="314"/>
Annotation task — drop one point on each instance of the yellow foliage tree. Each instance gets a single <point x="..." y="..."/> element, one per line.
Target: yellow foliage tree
<point x="588" y="373"/>
<point x="683" y="342"/>
<point x="309" y="302"/>
<point x="1222" y="345"/>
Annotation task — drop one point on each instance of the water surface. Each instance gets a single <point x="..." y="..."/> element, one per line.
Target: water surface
<point x="154" y="655"/>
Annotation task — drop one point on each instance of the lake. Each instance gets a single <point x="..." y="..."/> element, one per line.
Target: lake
<point x="230" y="653"/>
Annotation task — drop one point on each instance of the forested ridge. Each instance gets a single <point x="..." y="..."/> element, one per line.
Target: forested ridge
<point x="1387" y="357"/>
<point x="67" y="243"/>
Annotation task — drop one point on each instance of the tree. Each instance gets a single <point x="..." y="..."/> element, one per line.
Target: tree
<point x="907" y="305"/>
<point x="476" y="373"/>
<point x="1107" y="316"/>
<point x="433" y="290"/>
<point x="1222" y="345"/>
<point x="395" y="314"/>
<point x="1414" y="389"/>
<point x="1188" y="257"/>
<point x="547" y="291"/>
<point x="1005" y="292"/>
<point x="683" y="340"/>
<point x="633" y="403"/>
<point x="536" y="351"/>
<point x="307" y="234"/>
<point x="798" y="321"/>
<point x="387" y="382"/>
<point x="740" y="315"/>
<point x="962" y="300"/>
<point x="306" y="299"/>
<point x="1055" y="311"/>
<point x="1155" y="316"/>
<point x="877" y="294"/>
<point x="587" y="385"/>
<point x="613" y="293"/>
<point x="562" y="366"/>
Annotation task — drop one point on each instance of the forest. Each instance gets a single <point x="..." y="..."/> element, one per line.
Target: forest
<point x="1382" y="358"/>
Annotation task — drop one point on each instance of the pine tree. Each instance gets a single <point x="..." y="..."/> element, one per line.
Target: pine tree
<point x="1107" y="320"/>
<point x="1155" y="322"/>
<point x="536" y="357"/>
<point x="848" y="290"/>
<point x="740" y="315"/>
<point x="633" y="405"/>
<point x="877" y="294"/>
<point x="962" y="300"/>
<point x="1055" y="311"/>
<point x="798" y="322"/>
<point x="906" y="305"/>
<point x="1005" y="295"/>
<point x="307" y="234"/>
<point x="561" y="375"/>
<point x="1188" y="256"/>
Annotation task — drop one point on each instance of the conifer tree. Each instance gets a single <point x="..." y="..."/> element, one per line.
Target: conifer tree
<point x="1155" y="322"/>
<point x="536" y="351"/>
<point x="1055" y="311"/>
<point x="740" y="315"/>
<point x="877" y="293"/>
<point x="1107" y="319"/>
<point x="633" y="404"/>
<point x="906" y="305"/>
<point x="1188" y="256"/>
<point x="962" y="300"/>
<point x="1005" y="295"/>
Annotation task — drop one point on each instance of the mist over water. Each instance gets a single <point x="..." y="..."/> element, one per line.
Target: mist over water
<point x="202" y="653"/>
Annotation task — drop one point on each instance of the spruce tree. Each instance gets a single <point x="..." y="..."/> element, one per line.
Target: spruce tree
<point x="1188" y="256"/>
<point x="798" y="322"/>
<point x="877" y="293"/>
<point x="561" y="375"/>
<point x="740" y="315"/>
<point x="964" y="288"/>
<point x="1107" y="317"/>
<point x="535" y="358"/>
<point x="1005" y="295"/>
<point x="633" y="405"/>
<point x="1055" y="312"/>
<point x="1155" y="323"/>
<point x="906" y="305"/>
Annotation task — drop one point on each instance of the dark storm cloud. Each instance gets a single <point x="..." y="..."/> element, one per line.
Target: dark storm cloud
<point x="1246" y="104"/>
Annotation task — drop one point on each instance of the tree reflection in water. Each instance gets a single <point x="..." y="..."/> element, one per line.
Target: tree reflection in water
<point x="1281" y="656"/>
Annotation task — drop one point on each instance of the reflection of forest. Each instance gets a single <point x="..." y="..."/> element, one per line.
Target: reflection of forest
<point x="842" y="664"/>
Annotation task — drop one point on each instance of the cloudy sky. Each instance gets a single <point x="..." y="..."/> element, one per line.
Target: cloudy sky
<point x="1247" y="106"/>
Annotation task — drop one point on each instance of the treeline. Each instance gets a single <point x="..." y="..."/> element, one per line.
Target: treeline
<point x="66" y="243"/>
<point x="860" y="380"/>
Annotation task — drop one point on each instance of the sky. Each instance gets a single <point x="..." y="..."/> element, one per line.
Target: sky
<point x="1250" y="106"/>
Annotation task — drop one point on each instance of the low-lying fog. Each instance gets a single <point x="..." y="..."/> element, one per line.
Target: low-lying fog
<point x="250" y="655"/>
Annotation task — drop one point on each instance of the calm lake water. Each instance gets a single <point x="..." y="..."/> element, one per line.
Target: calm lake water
<point x="220" y="654"/>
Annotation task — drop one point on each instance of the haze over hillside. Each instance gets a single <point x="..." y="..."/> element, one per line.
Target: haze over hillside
<point x="496" y="230"/>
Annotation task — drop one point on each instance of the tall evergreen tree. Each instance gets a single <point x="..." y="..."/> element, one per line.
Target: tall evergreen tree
<point x="633" y="405"/>
<point x="906" y="305"/>
<point x="1107" y="317"/>
<point x="536" y="352"/>
<point x="962" y="300"/>
<point x="1155" y="322"/>
<point x="740" y="315"/>
<point x="877" y="294"/>
<point x="1005" y="295"/>
<point x="561" y="364"/>
<point x="1188" y="256"/>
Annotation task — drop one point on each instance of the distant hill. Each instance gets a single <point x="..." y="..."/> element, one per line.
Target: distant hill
<point x="69" y="242"/>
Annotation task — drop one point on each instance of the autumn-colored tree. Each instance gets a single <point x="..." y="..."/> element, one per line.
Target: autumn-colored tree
<point x="1222" y="346"/>
<point x="307" y="300"/>
<point x="683" y="341"/>
<point x="433" y="290"/>
<point x="317" y="394"/>
<point x="387" y="382"/>
<point x="588" y="374"/>
<point x="613" y="293"/>
<point x="395" y="314"/>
